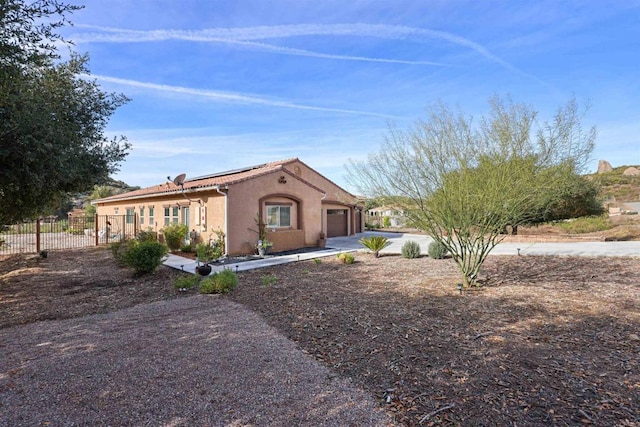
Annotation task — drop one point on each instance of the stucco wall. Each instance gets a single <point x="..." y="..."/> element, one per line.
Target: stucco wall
<point x="249" y="198"/>
<point x="335" y="197"/>
<point x="214" y="213"/>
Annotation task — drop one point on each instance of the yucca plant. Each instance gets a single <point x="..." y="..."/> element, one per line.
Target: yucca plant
<point x="375" y="244"/>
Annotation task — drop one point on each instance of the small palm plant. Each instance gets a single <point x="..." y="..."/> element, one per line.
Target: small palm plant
<point x="375" y="244"/>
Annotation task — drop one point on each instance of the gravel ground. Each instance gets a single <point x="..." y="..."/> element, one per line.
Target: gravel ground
<point x="199" y="360"/>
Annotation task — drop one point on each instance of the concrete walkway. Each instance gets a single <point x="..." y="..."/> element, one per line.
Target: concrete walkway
<point x="189" y="265"/>
<point x="336" y="245"/>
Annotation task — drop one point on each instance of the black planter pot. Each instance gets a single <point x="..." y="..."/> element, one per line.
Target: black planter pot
<point x="203" y="270"/>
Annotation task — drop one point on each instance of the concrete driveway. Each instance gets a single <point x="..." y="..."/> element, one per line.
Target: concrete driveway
<point x="526" y="248"/>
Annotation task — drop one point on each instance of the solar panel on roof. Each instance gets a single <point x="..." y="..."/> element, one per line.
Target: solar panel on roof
<point x="225" y="173"/>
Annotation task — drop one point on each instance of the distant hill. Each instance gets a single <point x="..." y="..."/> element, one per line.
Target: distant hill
<point x="120" y="187"/>
<point x="81" y="200"/>
<point x="616" y="187"/>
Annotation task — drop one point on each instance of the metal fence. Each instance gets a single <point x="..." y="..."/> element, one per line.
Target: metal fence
<point x="75" y="232"/>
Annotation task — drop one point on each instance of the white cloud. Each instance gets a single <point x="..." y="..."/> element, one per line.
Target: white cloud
<point x="244" y="35"/>
<point x="227" y="96"/>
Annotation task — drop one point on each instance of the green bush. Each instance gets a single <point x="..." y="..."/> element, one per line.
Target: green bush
<point x="185" y="282"/>
<point x="206" y="252"/>
<point x="174" y="235"/>
<point x="226" y="280"/>
<point x="437" y="250"/>
<point x="219" y="283"/>
<point x="71" y="230"/>
<point x="120" y="249"/>
<point x="587" y="224"/>
<point x="145" y="257"/>
<point x="147" y="236"/>
<point x="207" y="286"/>
<point x="375" y="244"/>
<point x="346" y="258"/>
<point x="411" y="250"/>
<point x="269" y="279"/>
<point x="386" y="222"/>
<point x="186" y="247"/>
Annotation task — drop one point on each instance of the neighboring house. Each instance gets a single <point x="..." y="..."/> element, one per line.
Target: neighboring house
<point x="376" y="216"/>
<point x="76" y="218"/>
<point x="297" y="204"/>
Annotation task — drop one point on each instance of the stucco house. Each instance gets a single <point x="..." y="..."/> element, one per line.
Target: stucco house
<point x="395" y="215"/>
<point x="297" y="204"/>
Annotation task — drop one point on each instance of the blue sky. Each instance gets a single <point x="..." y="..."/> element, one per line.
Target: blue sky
<point x="217" y="85"/>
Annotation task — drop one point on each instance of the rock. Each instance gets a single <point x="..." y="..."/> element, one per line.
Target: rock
<point x="604" y="166"/>
<point x="634" y="337"/>
<point x="631" y="171"/>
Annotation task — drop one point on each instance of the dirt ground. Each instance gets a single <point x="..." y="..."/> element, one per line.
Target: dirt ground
<point x="74" y="282"/>
<point x="545" y="341"/>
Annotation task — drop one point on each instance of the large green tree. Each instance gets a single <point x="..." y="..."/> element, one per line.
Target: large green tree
<point x="52" y="115"/>
<point x="466" y="181"/>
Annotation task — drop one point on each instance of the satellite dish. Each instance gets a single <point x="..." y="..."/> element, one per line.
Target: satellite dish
<point x="179" y="180"/>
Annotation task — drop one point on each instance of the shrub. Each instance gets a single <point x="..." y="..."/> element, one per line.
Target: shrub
<point x="226" y="280"/>
<point x="207" y="286"/>
<point x="73" y="230"/>
<point x="346" y="258"/>
<point x="147" y="236"/>
<point x="145" y="257"/>
<point x="386" y="222"/>
<point x="269" y="279"/>
<point x="375" y="244"/>
<point x="206" y="252"/>
<point x="120" y="249"/>
<point x="437" y="250"/>
<point x="411" y="250"/>
<point x="587" y="224"/>
<point x="219" y="283"/>
<point x="186" y="282"/>
<point x="174" y="235"/>
<point x="186" y="247"/>
<point x="318" y="261"/>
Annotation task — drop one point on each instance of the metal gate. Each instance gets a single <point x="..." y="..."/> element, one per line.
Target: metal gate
<point x="74" y="232"/>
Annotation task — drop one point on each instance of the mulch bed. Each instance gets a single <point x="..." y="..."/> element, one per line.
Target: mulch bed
<point x="545" y="341"/>
<point x="73" y="283"/>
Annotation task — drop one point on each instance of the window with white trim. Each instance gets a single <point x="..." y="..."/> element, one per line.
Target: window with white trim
<point x="175" y="212"/>
<point x="171" y="215"/>
<point x="141" y="216"/>
<point x="150" y="216"/>
<point x="278" y="216"/>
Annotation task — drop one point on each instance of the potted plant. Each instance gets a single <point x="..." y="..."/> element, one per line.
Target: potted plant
<point x="263" y="247"/>
<point x="206" y="253"/>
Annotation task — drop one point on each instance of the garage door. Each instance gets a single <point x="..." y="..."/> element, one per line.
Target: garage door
<point x="336" y="222"/>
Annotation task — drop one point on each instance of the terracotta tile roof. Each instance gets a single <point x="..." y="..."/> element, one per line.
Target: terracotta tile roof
<point x="193" y="184"/>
